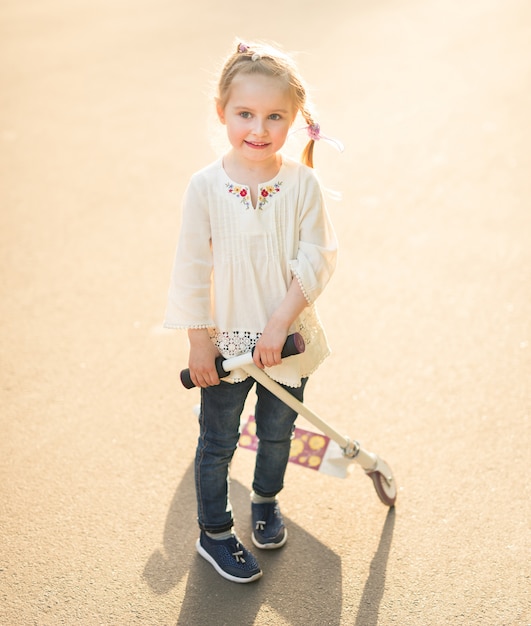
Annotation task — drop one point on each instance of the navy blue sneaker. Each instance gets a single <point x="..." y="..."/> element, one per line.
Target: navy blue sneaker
<point x="229" y="558"/>
<point x="269" y="531"/>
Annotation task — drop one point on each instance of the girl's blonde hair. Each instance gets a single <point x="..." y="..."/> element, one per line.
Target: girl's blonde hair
<point x="260" y="58"/>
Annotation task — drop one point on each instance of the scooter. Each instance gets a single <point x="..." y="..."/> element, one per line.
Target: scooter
<point x="375" y="467"/>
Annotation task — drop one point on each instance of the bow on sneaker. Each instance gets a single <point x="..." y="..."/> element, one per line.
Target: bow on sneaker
<point x="269" y="531"/>
<point x="239" y="556"/>
<point x="229" y="558"/>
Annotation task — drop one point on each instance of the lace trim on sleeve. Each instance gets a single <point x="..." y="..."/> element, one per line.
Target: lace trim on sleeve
<point x="304" y="292"/>
<point x="185" y="326"/>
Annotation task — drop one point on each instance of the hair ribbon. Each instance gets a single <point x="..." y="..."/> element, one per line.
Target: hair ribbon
<point x="314" y="132"/>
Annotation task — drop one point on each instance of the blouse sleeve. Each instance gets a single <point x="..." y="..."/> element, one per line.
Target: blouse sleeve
<point x="317" y="252"/>
<point x="189" y="297"/>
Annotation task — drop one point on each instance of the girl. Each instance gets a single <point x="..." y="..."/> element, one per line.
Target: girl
<point x="256" y="249"/>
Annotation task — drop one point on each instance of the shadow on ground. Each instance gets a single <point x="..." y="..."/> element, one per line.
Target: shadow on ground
<point x="375" y="585"/>
<point x="302" y="582"/>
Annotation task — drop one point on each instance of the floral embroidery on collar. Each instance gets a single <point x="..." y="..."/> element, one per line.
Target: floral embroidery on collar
<point x="243" y="193"/>
<point x="238" y="190"/>
<point x="266" y="192"/>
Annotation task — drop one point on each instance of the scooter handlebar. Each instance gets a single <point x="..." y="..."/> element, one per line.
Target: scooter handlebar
<point x="294" y="345"/>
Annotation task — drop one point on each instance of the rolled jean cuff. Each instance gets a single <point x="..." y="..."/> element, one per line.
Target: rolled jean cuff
<point x="266" y="495"/>
<point x="219" y="529"/>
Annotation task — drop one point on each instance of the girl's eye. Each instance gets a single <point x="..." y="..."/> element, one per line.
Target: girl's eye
<point x="245" y="114"/>
<point x="274" y="116"/>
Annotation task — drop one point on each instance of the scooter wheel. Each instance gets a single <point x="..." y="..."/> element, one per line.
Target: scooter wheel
<point x="385" y="488"/>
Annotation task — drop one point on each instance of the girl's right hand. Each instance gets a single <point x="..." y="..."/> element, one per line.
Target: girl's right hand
<point x="202" y="358"/>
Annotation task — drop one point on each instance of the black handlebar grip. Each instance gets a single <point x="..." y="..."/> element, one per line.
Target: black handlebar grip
<point x="294" y="345"/>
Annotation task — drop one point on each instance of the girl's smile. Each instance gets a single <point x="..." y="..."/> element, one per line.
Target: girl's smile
<point x="257" y="146"/>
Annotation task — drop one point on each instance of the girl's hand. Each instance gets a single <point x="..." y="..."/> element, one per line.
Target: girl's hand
<point x="203" y="354"/>
<point x="269" y="346"/>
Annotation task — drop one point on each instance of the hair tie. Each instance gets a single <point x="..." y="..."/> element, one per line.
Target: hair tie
<point x="243" y="48"/>
<point x="314" y="132"/>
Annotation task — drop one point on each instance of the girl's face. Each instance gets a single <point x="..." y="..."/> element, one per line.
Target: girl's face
<point x="258" y="116"/>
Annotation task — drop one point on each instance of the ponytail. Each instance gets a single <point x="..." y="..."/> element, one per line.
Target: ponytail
<point x="307" y="153"/>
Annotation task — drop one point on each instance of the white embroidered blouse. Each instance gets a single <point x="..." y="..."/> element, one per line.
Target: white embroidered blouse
<point x="235" y="262"/>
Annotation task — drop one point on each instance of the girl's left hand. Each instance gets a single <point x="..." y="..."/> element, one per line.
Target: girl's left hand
<point x="269" y="346"/>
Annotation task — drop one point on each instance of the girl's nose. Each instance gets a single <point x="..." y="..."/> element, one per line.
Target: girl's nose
<point x="259" y="126"/>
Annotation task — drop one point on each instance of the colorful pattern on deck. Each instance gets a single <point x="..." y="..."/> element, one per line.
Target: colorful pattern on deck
<point x="307" y="448"/>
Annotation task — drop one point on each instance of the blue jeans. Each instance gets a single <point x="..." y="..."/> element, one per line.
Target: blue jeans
<point x="219" y="422"/>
